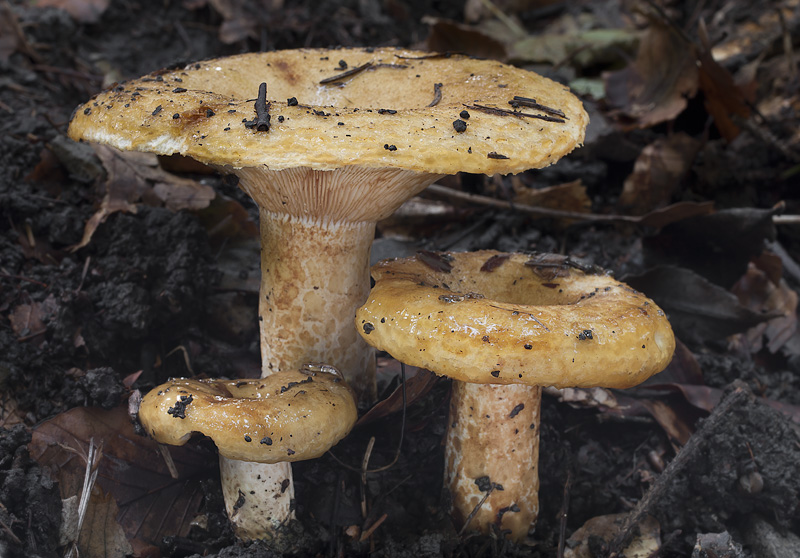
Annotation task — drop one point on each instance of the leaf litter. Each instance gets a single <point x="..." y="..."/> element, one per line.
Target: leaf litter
<point x="681" y="194"/>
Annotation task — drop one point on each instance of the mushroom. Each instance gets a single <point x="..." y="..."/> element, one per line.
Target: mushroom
<point x="502" y="326"/>
<point x="287" y="416"/>
<point x="326" y="153"/>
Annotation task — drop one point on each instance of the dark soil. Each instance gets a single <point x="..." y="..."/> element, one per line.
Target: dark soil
<point x="151" y="292"/>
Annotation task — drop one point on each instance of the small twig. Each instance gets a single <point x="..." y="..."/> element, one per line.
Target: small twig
<point x="261" y="122"/>
<point x="31" y="335"/>
<point x="540" y="211"/>
<point x="368" y="533"/>
<point x="89" y="479"/>
<point x="364" y="468"/>
<point x="437" y="94"/>
<point x="344" y="75"/>
<point x="11" y="534"/>
<point x="505" y="112"/>
<point x="170" y="463"/>
<point x="684" y="457"/>
<point x="476" y="509"/>
<point x="185" y="357"/>
<point x="83" y="273"/>
<point x="499" y="14"/>
<point x="518" y="101"/>
<point x="21" y="278"/>
<point x="562" y="532"/>
<point x="399" y="444"/>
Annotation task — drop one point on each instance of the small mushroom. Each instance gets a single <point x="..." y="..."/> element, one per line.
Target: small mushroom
<point x="325" y="154"/>
<point x="502" y="326"/>
<point x="288" y="416"/>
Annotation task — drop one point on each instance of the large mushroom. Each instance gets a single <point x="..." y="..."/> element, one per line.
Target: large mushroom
<point x="327" y="142"/>
<point x="502" y="326"/>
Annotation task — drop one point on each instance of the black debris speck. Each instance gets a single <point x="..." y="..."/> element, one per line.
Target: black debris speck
<point x="460" y="126"/>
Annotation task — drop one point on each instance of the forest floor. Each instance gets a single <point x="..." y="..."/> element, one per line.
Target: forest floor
<point x="689" y="182"/>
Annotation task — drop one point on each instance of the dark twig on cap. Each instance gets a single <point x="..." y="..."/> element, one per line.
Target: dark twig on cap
<point x="531" y="103"/>
<point x="347" y="74"/>
<point x="504" y="112"/>
<point x="261" y="121"/>
<point x="437" y="94"/>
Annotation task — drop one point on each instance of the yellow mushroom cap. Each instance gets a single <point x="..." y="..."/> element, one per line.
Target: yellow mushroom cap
<point x="395" y="108"/>
<point x="288" y="416"/>
<point x="489" y="317"/>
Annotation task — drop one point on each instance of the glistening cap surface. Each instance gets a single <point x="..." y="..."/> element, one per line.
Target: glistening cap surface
<point x="288" y="416"/>
<point x="334" y="108"/>
<point x="493" y="318"/>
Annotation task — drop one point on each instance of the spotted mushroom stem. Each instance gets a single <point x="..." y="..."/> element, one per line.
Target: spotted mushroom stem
<point x="493" y="445"/>
<point x="259" y="497"/>
<point x="314" y="275"/>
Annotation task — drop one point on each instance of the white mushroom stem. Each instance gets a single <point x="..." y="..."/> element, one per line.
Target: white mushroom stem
<point x="258" y="496"/>
<point x="493" y="438"/>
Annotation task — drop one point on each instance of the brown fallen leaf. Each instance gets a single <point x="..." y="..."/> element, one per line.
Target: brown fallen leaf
<point x="757" y="291"/>
<point x="83" y="11"/>
<point x="417" y="385"/>
<point x="151" y="503"/>
<point x="133" y="178"/>
<point x="451" y="36"/>
<point x="101" y="534"/>
<point x="29" y="320"/>
<point x="570" y="196"/>
<point x="9" y="412"/>
<point x="240" y="17"/>
<point x="722" y="96"/>
<point x="655" y="88"/>
<point x="657" y="173"/>
<point x="698" y="309"/>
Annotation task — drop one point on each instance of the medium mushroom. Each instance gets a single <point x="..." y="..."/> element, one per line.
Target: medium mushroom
<point x="502" y="326"/>
<point x="287" y="416"/>
<point x="328" y="142"/>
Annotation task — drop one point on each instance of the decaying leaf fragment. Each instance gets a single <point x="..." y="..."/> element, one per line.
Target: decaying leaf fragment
<point x="658" y="172"/>
<point x="655" y="88"/>
<point x="133" y="178"/>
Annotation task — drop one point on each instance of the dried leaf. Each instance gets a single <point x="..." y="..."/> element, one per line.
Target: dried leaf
<point x="570" y="196"/>
<point x="417" y="386"/>
<point x="134" y="177"/>
<point x="9" y="412"/>
<point x="757" y="291"/>
<point x="655" y="88"/>
<point x="657" y="173"/>
<point x="450" y="36"/>
<point x="32" y="319"/>
<point x="101" y="534"/>
<point x="84" y="11"/>
<point x="722" y="97"/>
<point x="151" y="503"/>
<point x="239" y="20"/>
<point x="698" y="309"/>
<point x="718" y="246"/>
